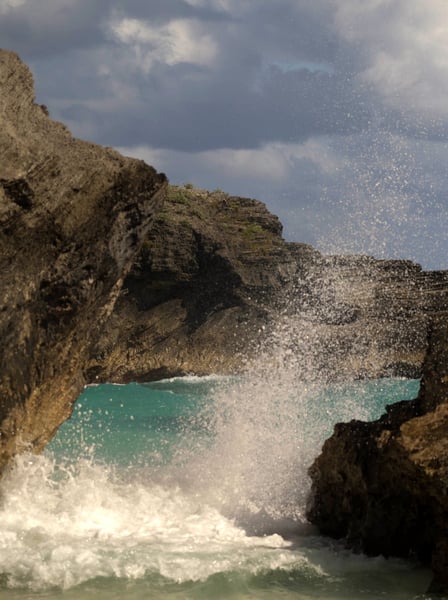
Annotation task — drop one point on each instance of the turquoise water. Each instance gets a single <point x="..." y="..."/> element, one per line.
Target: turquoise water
<point x="189" y="489"/>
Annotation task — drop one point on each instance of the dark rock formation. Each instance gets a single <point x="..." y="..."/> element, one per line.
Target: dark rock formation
<point x="207" y="281"/>
<point x="384" y="485"/>
<point x="72" y="219"/>
<point x="215" y="281"/>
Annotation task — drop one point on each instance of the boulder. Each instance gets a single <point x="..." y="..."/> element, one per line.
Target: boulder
<point x="383" y="485"/>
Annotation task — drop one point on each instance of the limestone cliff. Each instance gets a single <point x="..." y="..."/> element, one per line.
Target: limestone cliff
<point x="214" y="279"/>
<point x="72" y="219"/>
<point x="383" y="485"/>
<point x="207" y="281"/>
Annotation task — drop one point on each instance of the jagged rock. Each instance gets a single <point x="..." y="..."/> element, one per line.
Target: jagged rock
<point x="72" y="218"/>
<point x="205" y="285"/>
<point x="215" y="277"/>
<point x="383" y="485"/>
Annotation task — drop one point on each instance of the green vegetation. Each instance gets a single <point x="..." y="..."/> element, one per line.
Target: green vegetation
<point x="186" y="205"/>
<point x="178" y="195"/>
<point x="252" y="231"/>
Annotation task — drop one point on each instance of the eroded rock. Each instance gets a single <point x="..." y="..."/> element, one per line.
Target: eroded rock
<point x="383" y="486"/>
<point x="72" y="218"/>
<point x="215" y="281"/>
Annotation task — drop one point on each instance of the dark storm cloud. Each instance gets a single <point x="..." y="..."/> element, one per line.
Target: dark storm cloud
<point x="38" y="30"/>
<point x="173" y="111"/>
<point x="255" y="90"/>
<point x="164" y="10"/>
<point x="47" y="27"/>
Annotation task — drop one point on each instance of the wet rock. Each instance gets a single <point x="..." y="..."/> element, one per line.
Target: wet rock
<point x="383" y="485"/>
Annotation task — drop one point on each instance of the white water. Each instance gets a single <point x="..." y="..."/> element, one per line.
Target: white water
<point x="61" y="528"/>
<point x="91" y="525"/>
<point x="221" y="509"/>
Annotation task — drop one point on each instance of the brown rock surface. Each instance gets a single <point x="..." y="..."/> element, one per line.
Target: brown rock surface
<point x="215" y="281"/>
<point x="207" y="281"/>
<point x="72" y="218"/>
<point x="384" y="485"/>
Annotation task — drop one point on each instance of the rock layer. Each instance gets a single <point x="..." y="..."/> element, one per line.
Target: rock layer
<point x="215" y="282"/>
<point x="206" y="283"/>
<point x="383" y="485"/>
<point x="72" y="218"/>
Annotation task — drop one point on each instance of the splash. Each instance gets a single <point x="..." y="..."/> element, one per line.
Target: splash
<point x="387" y="199"/>
<point x="61" y="526"/>
<point x="265" y="429"/>
<point x="220" y="506"/>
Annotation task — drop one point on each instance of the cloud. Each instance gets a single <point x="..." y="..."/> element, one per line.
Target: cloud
<point x="332" y="111"/>
<point x="179" y="41"/>
<point x="273" y="162"/>
<point x="404" y="49"/>
<point x="9" y="5"/>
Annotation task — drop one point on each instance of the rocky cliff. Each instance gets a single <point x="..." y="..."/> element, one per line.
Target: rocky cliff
<point x="108" y="273"/>
<point x="215" y="282"/>
<point x="207" y="282"/>
<point x="383" y="485"/>
<point x="72" y="218"/>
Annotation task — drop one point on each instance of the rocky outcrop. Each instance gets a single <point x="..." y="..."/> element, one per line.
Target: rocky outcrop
<point x="215" y="284"/>
<point x="206" y="284"/>
<point x="72" y="218"/>
<point x="383" y="486"/>
<point x="371" y="316"/>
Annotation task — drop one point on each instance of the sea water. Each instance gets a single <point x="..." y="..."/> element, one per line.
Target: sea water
<point x="191" y="488"/>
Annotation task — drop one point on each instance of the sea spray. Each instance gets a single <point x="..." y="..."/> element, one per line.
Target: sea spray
<point x="61" y="526"/>
<point x="387" y="199"/>
<point x="86" y="524"/>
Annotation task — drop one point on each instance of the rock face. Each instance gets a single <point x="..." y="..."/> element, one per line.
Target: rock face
<point x="206" y="282"/>
<point x="371" y="317"/>
<point x="383" y="485"/>
<point x="72" y="218"/>
<point x="214" y="279"/>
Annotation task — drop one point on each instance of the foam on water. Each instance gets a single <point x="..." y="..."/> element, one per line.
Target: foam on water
<point x="65" y="526"/>
<point x="61" y="526"/>
<point x="221" y="507"/>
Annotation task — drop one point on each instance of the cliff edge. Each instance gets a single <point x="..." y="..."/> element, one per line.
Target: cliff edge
<point x="72" y="218"/>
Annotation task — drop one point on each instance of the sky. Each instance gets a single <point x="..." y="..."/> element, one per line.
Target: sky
<point x="332" y="112"/>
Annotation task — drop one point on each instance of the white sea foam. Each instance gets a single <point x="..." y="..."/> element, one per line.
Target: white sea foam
<point x="224" y="508"/>
<point x="60" y="527"/>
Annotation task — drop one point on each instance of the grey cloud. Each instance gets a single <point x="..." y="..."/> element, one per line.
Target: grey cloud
<point x="240" y="101"/>
<point x="189" y="108"/>
<point x="38" y="30"/>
